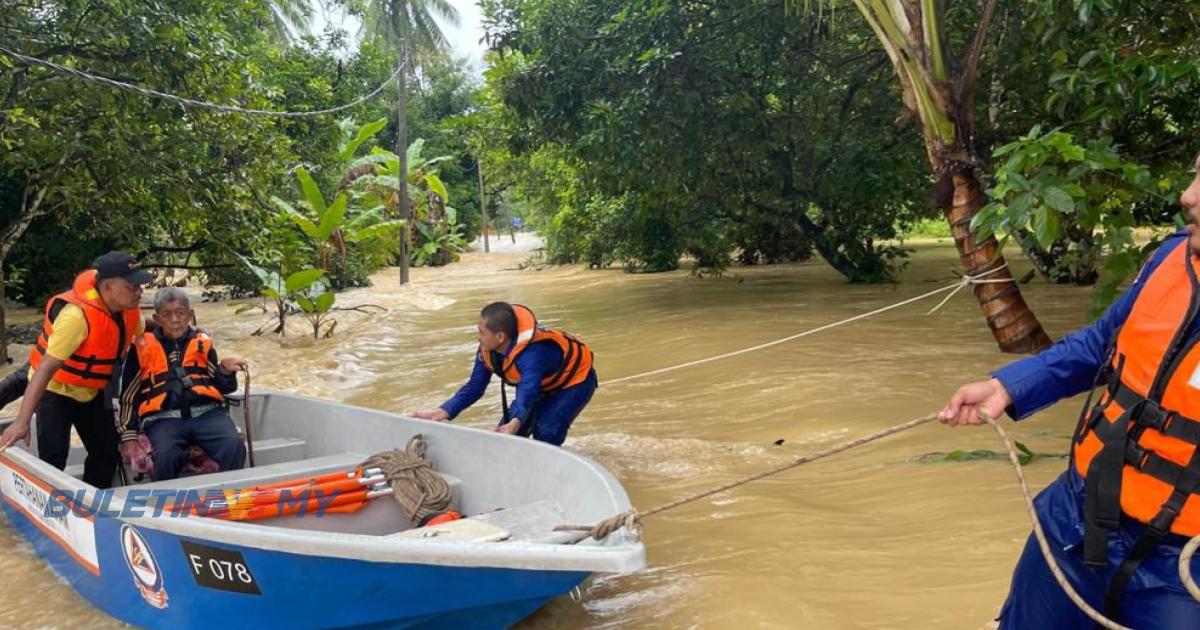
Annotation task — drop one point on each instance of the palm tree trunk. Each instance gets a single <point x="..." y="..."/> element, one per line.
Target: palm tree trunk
<point x="1013" y="324"/>
<point x="402" y="153"/>
<point x="946" y="110"/>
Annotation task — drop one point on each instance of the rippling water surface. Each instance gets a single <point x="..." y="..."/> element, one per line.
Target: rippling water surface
<point x="871" y="538"/>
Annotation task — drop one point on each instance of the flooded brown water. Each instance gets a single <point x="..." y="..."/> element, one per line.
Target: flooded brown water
<point x="872" y="538"/>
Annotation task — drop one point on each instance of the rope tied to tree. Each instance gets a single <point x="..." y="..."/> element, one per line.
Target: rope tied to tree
<point x="965" y="281"/>
<point x="418" y="488"/>
<point x="968" y="280"/>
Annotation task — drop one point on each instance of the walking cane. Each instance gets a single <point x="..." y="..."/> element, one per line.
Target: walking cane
<point x="246" y="416"/>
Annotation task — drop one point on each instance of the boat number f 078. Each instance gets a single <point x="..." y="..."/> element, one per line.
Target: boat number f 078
<point x="221" y="569"/>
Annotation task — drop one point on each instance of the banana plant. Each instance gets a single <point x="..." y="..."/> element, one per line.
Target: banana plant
<point x="442" y="242"/>
<point x="316" y="302"/>
<point x="329" y="225"/>
<point x="351" y="138"/>
<point x="286" y="294"/>
<point x="375" y="179"/>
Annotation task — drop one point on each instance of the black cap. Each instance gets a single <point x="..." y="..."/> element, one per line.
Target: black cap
<point x="117" y="264"/>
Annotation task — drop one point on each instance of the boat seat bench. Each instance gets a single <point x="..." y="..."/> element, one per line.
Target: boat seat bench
<point x="269" y="451"/>
<point x="276" y="450"/>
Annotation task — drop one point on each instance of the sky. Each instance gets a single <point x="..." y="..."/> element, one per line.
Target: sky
<point x="464" y="39"/>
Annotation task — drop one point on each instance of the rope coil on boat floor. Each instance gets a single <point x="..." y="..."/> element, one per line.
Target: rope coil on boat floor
<point x="415" y="484"/>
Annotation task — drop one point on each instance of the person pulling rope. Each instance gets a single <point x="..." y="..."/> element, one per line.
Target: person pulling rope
<point x="632" y="519"/>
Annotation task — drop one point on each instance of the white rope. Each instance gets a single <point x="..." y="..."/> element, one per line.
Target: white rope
<point x="976" y="279"/>
<point x="954" y="288"/>
<point x="1043" y="543"/>
<point x="631" y="519"/>
<point x="187" y="102"/>
<point x="1185" y="567"/>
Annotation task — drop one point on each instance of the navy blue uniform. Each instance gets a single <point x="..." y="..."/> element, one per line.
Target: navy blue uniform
<point x="545" y="418"/>
<point x="1155" y="598"/>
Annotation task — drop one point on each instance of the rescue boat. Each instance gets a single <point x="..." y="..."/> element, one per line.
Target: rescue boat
<point x="368" y="566"/>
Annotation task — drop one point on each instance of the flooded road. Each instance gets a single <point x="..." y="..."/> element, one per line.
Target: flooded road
<point x="873" y="538"/>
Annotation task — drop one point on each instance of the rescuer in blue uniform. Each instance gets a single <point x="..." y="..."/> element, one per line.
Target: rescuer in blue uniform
<point x="1119" y="516"/>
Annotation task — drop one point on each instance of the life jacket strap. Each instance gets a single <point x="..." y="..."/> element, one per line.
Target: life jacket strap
<point x="186" y="413"/>
<point x="1102" y="489"/>
<point x="92" y="360"/>
<point x="504" y="402"/>
<point x="1158" y="529"/>
<point x="1153" y="416"/>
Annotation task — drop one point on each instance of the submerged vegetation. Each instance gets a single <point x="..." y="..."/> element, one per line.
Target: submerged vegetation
<point x="1025" y="456"/>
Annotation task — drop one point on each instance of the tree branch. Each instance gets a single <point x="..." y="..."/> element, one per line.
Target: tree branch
<point x="361" y="308"/>
<point x="844" y="115"/>
<point x="966" y="82"/>
<point x="190" y="267"/>
<point x="15" y="89"/>
<point x="31" y="211"/>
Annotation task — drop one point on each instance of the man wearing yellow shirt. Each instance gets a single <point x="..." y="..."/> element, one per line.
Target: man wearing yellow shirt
<point x="85" y="333"/>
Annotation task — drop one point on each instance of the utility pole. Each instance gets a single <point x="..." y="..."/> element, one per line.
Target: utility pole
<point x="482" y="204"/>
<point x="402" y="155"/>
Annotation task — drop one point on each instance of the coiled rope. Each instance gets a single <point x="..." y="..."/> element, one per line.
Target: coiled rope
<point x="192" y="103"/>
<point x="415" y="484"/>
<point x="1185" y="567"/>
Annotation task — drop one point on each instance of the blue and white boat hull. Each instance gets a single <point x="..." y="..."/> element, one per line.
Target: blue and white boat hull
<point x="342" y="571"/>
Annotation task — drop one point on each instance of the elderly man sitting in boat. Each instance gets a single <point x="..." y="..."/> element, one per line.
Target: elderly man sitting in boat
<point x="550" y="369"/>
<point x="172" y="389"/>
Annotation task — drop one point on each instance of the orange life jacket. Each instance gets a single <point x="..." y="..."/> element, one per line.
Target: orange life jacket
<point x="157" y="374"/>
<point x="576" y="362"/>
<point x="1137" y="448"/>
<point x="109" y="335"/>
